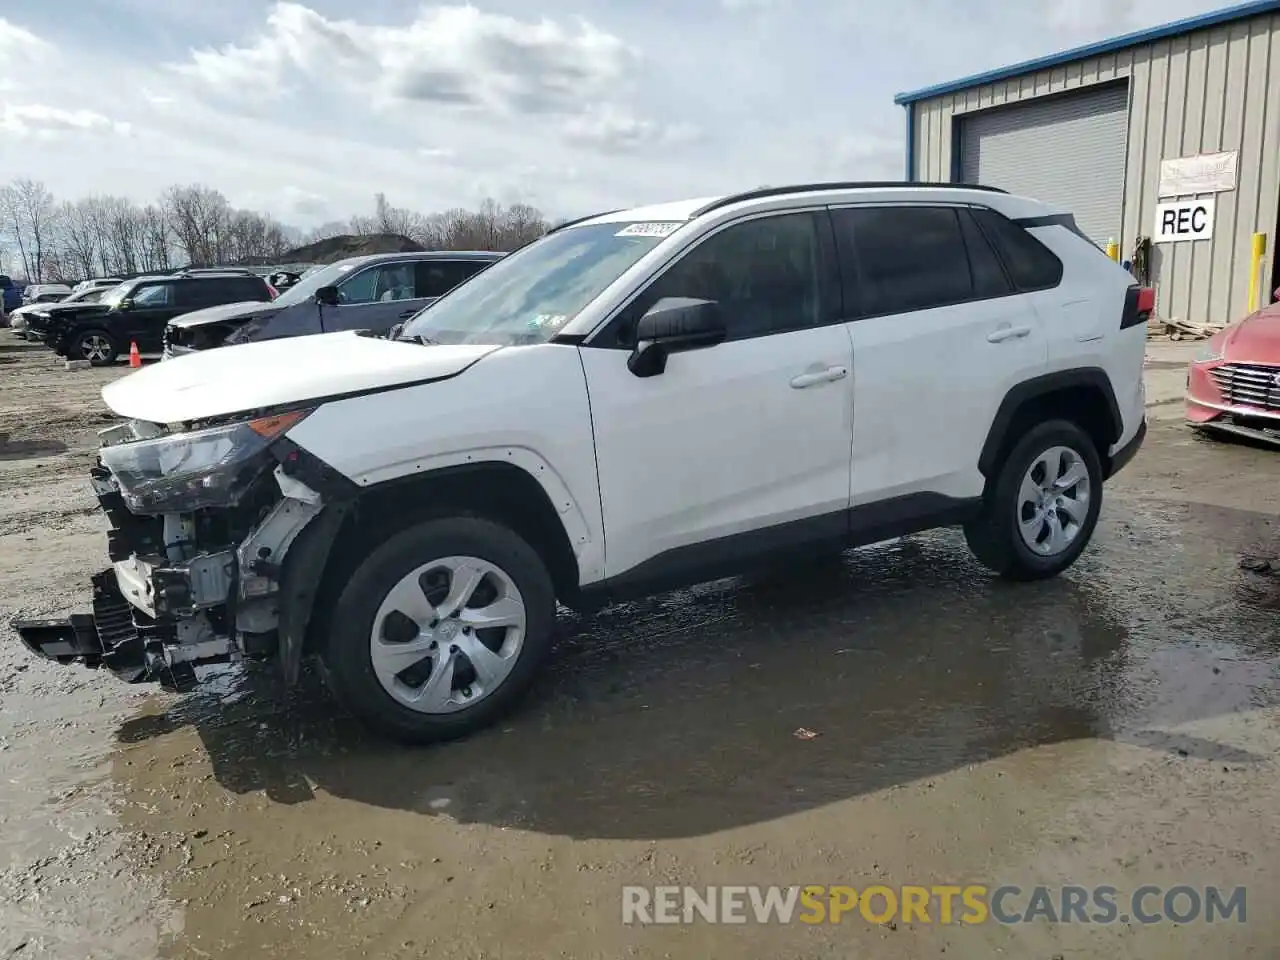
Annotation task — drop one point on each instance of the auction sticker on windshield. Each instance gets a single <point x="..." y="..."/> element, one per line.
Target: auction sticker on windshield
<point x="649" y="229"/>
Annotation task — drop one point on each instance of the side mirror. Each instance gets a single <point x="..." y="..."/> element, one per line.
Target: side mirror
<point x="327" y="296"/>
<point x="673" y="325"/>
<point x="125" y="304"/>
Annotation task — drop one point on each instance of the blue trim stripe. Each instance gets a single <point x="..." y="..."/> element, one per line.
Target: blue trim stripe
<point x="1216" y="18"/>
<point x="911" y="142"/>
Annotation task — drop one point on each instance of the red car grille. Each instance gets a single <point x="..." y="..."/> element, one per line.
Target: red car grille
<point x="1250" y="384"/>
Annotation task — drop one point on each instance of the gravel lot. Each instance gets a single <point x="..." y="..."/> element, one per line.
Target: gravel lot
<point x="1117" y="726"/>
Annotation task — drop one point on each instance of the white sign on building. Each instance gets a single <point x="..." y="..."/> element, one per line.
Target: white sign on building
<point x="1206" y="173"/>
<point x="1184" y="220"/>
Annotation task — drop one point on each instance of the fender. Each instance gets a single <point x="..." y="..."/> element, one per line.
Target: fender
<point x="1087" y="378"/>
<point x="588" y="550"/>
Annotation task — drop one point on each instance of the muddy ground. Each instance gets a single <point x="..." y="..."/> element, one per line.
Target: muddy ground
<point x="1117" y="726"/>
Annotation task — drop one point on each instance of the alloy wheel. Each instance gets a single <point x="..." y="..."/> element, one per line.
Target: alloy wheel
<point x="1053" y="501"/>
<point x="448" y="634"/>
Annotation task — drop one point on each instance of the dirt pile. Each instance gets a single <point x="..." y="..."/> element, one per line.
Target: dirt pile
<point x="333" y="249"/>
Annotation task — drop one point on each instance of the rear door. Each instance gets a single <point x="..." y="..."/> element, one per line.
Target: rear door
<point x="939" y="335"/>
<point x="435" y="278"/>
<point x="151" y="306"/>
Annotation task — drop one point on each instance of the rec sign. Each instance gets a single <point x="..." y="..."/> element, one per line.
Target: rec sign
<point x="1184" y="220"/>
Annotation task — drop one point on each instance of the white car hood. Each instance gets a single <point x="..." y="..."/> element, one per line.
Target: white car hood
<point x="252" y="376"/>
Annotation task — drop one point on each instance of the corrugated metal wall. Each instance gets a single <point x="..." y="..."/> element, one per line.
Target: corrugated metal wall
<point x="1213" y="90"/>
<point x="1068" y="149"/>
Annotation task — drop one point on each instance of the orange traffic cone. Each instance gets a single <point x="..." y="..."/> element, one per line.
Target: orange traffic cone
<point x="135" y="358"/>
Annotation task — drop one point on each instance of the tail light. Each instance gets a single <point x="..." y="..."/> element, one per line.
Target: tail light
<point x="273" y="291"/>
<point x="1139" y="305"/>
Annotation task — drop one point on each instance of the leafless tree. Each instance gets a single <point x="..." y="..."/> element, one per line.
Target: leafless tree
<point x="195" y="224"/>
<point x="29" y="210"/>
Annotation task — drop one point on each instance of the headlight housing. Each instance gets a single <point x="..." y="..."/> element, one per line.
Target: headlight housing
<point x="182" y="472"/>
<point x="243" y="333"/>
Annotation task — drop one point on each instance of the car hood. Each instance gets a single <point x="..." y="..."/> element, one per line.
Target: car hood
<point x="255" y="376"/>
<point x="227" y="311"/>
<point x="1255" y="339"/>
<point x="69" y="310"/>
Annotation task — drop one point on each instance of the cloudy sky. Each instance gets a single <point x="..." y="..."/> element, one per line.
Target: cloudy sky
<point x="305" y="109"/>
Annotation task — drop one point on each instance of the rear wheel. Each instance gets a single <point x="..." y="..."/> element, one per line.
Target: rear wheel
<point x="96" y="346"/>
<point x="440" y="629"/>
<point x="1040" y="510"/>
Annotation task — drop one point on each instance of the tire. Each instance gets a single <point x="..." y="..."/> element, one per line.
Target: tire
<point x="96" y="346"/>
<point x="996" y="536"/>
<point x="378" y="695"/>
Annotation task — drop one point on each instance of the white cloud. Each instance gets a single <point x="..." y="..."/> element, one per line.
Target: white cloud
<point x="39" y="120"/>
<point x="613" y="129"/>
<point x="451" y="56"/>
<point x="306" y="109"/>
<point x="16" y="41"/>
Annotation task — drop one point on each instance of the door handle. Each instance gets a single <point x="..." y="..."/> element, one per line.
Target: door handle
<point x="1007" y="333"/>
<point x="405" y="315"/>
<point x="821" y="376"/>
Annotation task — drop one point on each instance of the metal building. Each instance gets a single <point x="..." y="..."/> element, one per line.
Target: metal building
<point x="1170" y="134"/>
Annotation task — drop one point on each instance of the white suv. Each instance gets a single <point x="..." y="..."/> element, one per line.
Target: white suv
<point x="637" y="401"/>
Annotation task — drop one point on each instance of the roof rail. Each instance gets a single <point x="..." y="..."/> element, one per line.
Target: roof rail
<point x="763" y="192"/>
<point x="575" y="222"/>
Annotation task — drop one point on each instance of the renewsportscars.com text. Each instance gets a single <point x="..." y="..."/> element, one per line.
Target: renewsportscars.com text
<point x="934" y="904"/>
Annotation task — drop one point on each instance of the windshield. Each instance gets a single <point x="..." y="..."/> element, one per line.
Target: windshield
<point x="306" y="288"/>
<point x="115" y="294"/>
<point x="529" y="295"/>
<point x="91" y="295"/>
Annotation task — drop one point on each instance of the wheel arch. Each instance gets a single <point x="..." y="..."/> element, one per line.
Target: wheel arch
<point x="1083" y="395"/>
<point x="496" y="490"/>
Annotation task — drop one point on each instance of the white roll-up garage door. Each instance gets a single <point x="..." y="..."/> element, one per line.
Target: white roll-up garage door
<point x="1068" y="150"/>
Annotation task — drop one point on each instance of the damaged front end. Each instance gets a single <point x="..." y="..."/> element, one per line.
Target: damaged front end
<point x="219" y="533"/>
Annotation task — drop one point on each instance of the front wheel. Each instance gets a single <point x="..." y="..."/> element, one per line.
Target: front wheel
<point x="96" y="346"/>
<point x="1040" y="510"/>
<point x="440" y="630"/>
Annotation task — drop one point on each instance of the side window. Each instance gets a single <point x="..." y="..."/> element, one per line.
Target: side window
<point x="989" y="279"/>
<point x="153" y="295"/>
<point x="191" y="294"/>
<point x="907" y="258"/>
<point x="435" y="278"/>
<point x="245" y="288"/>
<point x="392" y="281"/>
<point x="1031" y="265"/>
<point x="767" y="275"/>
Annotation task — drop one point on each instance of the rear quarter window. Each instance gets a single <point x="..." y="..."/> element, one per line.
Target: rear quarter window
<point x="1030" y="264"/>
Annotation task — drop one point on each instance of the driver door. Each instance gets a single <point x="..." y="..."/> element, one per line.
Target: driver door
<point x="375" y="299"/>
<point x="151" y="308"/>
<point x="740" y="449"/>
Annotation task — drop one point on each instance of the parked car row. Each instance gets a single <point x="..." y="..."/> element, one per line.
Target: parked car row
<point x="199" y="309"/>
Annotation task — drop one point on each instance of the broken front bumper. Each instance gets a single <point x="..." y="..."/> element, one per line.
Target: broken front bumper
<point x="108" y="638"/>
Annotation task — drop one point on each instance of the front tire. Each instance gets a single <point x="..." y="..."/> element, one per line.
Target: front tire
<point x="440" y="630"/>
<point x="96" y="346"/>
<point x="1040" y="509"/>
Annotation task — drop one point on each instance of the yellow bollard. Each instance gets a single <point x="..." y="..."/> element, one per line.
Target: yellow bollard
<point x="1255" y="261"/>
<point x="1113" y="250"/>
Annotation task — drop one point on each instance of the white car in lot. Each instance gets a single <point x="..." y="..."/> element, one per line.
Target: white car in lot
<point x="637" y="401"/>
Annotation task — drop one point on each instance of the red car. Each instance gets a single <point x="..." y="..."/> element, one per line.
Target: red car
<point x="1233" y="385"/>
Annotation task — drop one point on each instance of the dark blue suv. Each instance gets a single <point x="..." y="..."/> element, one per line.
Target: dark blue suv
<point x="360" y="293"/>
<point x="11" y="293"/>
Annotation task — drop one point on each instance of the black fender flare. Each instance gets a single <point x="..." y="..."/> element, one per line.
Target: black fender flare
<point x="1089" y="378"/>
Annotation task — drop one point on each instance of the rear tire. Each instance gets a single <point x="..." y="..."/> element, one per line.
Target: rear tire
<point x="96" y="346"/>
<point x="399" y="661"/>
<point x="1040" y="509"/>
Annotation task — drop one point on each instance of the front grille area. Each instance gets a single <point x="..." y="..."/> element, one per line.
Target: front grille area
<point x="1249" y="384"/>
<point x="204" y="337"/>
